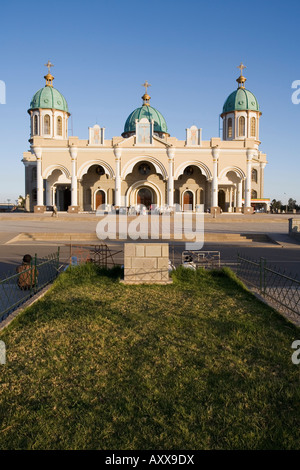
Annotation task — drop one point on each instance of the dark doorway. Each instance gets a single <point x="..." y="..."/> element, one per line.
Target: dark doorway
<point x="63" y="198"/>
<point x="188" y="199"/>
<point x="221" y="200"/>
<point x="100" y="198"/>
<point x="144" y="197"/>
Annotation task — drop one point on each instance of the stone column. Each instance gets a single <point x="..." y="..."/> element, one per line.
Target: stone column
<point x="74" y="192"/>
<point x="214" y="183"/>
<point x="171" y="154"/>
<point x="248" y="181"/>
<point x="239" y="196"/>
<point x="118" y="152"/>
<point x="230" y="199"/>
<point x="39" y="181"/>
<point x="234" y="197"/>
<point x="261" y="187"/>
<point x="247" y="206"/>
<point x="48" y="194"/>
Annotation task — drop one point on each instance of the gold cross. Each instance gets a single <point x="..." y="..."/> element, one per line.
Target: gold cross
<point x="241" y="67"/>
<point x="49" y="65"/>
<point x="146" y="85"/>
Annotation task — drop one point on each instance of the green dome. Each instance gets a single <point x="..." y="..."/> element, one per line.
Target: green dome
<point x="49" y="97"/>
<point x="241" y="100"/>
<point x="149" y="113"/>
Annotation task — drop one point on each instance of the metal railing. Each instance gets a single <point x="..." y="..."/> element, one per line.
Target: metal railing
<point x="280" y="288"/>
<point x="101" y="255"/>
<point x="18" y="287"/>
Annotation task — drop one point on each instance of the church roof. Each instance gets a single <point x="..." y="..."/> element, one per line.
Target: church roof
<point x="146" y="111"/>
<point x="49" y="97"/>
<point x="149" y="113"/>
<point x="240" y="100"/>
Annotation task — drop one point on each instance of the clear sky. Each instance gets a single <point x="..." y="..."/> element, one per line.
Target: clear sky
<point x="103" y="51"/>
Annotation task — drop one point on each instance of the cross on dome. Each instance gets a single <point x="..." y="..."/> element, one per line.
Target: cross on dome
<point x="241" y="80"/>
<point x="49" y="65"/>
<point x="146" y="85"/>
<point x="49" y="78"/>
<point x="241" y="67"/>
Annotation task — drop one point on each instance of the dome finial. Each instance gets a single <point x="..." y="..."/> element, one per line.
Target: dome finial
<point x="146" y="98"/>
<point x="241" y="80"/>
<point x="49" y="78"/>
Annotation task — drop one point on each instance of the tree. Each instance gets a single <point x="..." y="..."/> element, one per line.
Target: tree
<point x="291" y="204"/>
<point x="275" y="206"/>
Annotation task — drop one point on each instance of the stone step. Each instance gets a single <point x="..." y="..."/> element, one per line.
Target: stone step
<point x="92" y="237"/>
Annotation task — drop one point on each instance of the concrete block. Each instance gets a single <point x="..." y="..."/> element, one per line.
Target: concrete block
<point x="127" y="262"/>
<point x="129" y="249"/>
<point x="165" y="250"/>
<point x="145" y="263"/>
<point x="163" y="263"/>
<point x="153" y="250"/>
<point x="140" y="250"/>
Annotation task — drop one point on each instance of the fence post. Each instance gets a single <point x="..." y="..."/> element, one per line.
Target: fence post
<point x="264" y="269"/>
<point x="31" y="276"/>
<point x="262" y="275"/>
<point x="58" y="252"/>
<point x="35" y="273"/>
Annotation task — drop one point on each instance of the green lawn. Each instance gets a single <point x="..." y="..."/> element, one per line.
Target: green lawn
<point x="198" y="364"/>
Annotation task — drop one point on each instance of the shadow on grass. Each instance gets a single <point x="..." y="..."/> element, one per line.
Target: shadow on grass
<point x="88" y="271"/>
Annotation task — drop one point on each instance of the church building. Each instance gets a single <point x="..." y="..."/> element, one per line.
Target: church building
<point x="145" y="164"/>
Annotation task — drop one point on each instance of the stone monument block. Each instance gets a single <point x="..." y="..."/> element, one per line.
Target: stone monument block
<point x="146" y="263"/>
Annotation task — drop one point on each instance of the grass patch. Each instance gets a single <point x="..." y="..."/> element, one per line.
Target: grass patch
<point x="198" y="364"/>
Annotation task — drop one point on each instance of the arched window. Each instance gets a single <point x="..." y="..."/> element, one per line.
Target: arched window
<point x="59" y="126"/>
<point x="35" y="125"/>
<point x="253" y="127"/>
<point x="229" y="129"/>
<point x="34" y="196"/>
<point x="254" y="175"/>
<point x="241" y="126"/>
<point x="253" y="194"/>
<point x="47" y="124"/>
<point x="33" y="174"/>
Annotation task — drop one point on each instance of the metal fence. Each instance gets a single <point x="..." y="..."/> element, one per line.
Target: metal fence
<point x="18" y="287"/>
<point x="101" y="255"/>
<point x="279" y="287"/>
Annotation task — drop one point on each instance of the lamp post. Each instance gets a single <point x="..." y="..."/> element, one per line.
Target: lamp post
<point x="286" y="204"/>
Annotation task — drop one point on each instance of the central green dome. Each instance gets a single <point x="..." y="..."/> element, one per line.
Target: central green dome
<point x="146" y="111"/>
<point x="241" y="100"/>
<point x="50" y="98"/>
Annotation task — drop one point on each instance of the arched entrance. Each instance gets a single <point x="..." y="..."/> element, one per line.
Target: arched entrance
<point x="145" y="197"/>
<point x="62" y="197"/>
<point x="222" y="200"/>
<point x="100" y="198"/>
<point x="188" y="201"/>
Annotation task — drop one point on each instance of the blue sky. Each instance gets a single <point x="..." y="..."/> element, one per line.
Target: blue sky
<point x="103" y="51"/>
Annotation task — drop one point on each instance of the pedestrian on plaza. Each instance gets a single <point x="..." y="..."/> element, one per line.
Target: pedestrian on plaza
<point x="54" y="213"/>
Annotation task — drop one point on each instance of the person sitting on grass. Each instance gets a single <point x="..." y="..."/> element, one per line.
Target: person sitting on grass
<point x="27" y="278"/>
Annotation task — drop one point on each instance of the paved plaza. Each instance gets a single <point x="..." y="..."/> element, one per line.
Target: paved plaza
<point x="280" y="249"/>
